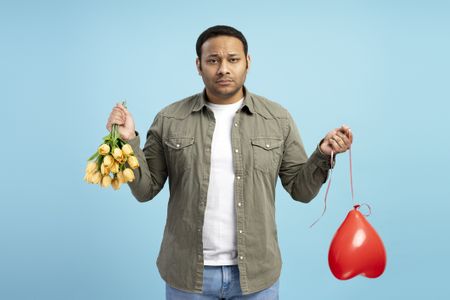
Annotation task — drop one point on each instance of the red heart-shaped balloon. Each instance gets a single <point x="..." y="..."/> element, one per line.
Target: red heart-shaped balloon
<point x="356" y="249"/>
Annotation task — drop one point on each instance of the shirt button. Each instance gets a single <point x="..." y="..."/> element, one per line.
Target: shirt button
<point x="239" y="204"/>
<point x="241" y="257"/>
<point x="235" y="124"/>
<point x="178" y="145"/>
<point x="236" y="150"/>
<point x="240" y="231"/>
<point x="267" y="145"/>
<point x="239" y="177"/>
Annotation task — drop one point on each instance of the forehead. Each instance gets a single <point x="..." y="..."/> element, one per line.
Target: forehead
<point x="222" y="45"/>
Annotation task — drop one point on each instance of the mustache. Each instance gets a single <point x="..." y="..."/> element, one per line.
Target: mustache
<point x="224" y="79"/>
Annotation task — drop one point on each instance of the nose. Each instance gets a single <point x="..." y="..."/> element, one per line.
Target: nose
<point x="223" y="68"/>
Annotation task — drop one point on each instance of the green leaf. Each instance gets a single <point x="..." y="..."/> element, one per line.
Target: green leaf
<point x="100" y="159"/>
<point x="93" y="156"/>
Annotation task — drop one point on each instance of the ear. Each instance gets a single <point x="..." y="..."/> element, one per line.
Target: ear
<point x="199" y="66"/>
<point x="248" y="62"/>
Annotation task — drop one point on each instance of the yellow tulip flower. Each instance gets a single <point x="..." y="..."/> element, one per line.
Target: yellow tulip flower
<point x="127" y="150"/>
<point x="103" y="149"/>
<point x="133" y="162"/>
<point x="106" y="181"/>
<point x="128" y="174"/>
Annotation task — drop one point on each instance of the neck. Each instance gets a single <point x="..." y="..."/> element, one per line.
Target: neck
<point x="228" y="100"/>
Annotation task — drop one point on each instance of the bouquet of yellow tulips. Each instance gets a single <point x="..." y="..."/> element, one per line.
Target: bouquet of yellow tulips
<point x="107" y="166"/>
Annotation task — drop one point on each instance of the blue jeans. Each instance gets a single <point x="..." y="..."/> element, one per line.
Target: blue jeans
<point x="222" y="282"/>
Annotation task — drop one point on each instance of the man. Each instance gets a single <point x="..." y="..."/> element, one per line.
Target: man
<point x="223" y="150"/>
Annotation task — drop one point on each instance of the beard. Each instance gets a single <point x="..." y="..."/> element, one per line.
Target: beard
<point x="225" y="92"/>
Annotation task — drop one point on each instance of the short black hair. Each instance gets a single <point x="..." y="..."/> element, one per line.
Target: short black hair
<point x="217" y="31"/>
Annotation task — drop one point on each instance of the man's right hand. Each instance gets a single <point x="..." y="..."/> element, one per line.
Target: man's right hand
<point x="122" y="117"/>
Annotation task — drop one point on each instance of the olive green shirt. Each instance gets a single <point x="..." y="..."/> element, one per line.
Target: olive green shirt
<point x="266" y="144"/>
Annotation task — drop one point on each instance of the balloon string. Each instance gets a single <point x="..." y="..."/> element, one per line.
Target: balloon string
<point x="351" y="187"/>
<point x="330" y="173"/>
<point x="351" y="173"/>
<point x="329" y="183"/>
<point x="368" y="206"/>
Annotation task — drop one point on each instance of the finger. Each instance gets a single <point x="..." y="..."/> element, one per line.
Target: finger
<point x="335" y="146"/>
<point x="344" y="129"/>
<point x="119" y="110"/>
<point x="330" y="134"/>
<point x="344" y="138"/>
<point x="338" y="140"/>
<point x="115" y="119"/>
<point x="122" y="108"/>
<point x="124" y="111"/>
<point x="348" y="133"/>
<point x="118" y="114"/>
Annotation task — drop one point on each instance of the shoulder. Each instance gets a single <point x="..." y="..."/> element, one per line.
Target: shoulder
<point x="180" y="109"/>
<point x="268" y="108"/>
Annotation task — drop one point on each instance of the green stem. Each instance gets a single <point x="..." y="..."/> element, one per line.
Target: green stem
<point x="115" y="130"/>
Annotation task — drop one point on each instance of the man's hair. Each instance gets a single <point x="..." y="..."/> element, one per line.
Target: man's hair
<point x="217" y="31"/>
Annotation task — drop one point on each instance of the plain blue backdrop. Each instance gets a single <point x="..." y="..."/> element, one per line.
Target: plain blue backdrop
<point x="381" y="67"/>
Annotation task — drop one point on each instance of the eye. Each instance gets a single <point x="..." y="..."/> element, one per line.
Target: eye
<point x="234" y="60"/>
<point x="212" y="61"/>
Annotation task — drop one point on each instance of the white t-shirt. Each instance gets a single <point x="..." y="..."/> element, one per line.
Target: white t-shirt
<point x="219" y="228"/>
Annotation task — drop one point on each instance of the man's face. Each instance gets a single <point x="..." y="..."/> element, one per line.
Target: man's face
<point x="223" y="66"/>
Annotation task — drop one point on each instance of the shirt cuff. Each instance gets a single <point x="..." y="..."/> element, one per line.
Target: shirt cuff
<point x="134" y="142"/>
<point x="322" y="160"/>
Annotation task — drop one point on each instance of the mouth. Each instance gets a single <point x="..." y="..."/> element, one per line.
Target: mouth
<point x="224" y="81"/>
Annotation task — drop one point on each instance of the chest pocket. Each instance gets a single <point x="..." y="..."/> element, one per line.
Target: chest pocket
<point x="266" y="153"/>
<point x="179" y="153"/>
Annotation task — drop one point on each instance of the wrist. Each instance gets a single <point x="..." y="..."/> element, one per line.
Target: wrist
<point x="131" y="136"/>
<point x="322" y="148"/>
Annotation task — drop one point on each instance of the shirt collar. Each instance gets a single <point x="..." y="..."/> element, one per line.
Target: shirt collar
<point x="248" y="101"/>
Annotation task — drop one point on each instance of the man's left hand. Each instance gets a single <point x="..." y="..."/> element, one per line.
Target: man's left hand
<point x="338" y="140"/>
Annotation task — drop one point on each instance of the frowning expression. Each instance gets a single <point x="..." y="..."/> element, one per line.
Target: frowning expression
<point x="223" y="66"/>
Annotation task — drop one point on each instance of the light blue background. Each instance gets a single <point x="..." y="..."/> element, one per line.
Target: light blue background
<point x="380" y="66"/>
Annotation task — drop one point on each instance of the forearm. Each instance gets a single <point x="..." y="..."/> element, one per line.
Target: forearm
<point x="145" y="186"/>
<point x="310" y="177"/>
<point x="303" y="182"/>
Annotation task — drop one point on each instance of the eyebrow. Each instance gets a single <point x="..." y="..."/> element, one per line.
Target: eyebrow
<point x="217" y="55"/>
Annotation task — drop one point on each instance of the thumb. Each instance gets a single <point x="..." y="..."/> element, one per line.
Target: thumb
<point x="124" y="109"/>
<point x="120" y="105"/>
